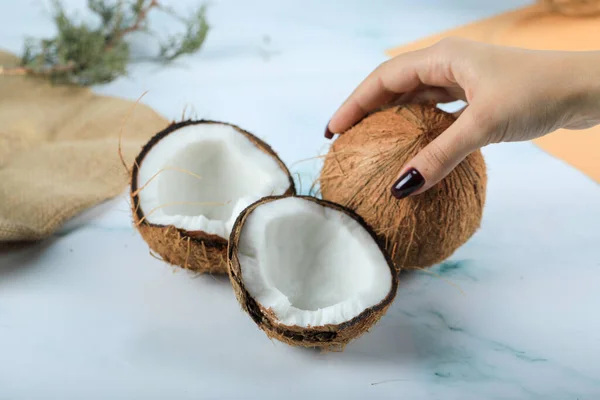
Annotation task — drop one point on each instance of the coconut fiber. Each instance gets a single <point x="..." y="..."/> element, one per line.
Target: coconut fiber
<point x="363" y="163"/>
<point x="59" y="152"/>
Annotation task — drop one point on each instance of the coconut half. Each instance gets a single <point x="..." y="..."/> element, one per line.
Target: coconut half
<point x="309" y="272"/>
<point x="190" y="182"/>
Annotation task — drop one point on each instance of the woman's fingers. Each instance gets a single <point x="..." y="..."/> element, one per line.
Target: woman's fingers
<point x="459" y="112"/>
<point x="426" y="95"/>
<point x="403" y="74"/>
<point x="383" y="85"/>
<point x="438" y="158"/>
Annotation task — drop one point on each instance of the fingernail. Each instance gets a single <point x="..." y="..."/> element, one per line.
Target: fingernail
<point x="328" y="134"/>
<point x="408" y="183"/>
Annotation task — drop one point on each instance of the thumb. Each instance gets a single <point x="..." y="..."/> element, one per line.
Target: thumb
<point x="438" y="158"/>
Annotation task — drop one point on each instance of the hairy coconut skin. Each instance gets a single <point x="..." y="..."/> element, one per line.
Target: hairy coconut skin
<point x="203" y="254"/>
<point x="194" y="250"/>
<point x="328" y="337"/>
<point x="363" y="164"/>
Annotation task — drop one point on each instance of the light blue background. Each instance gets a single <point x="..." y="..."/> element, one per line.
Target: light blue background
<point x="90" y="314"/>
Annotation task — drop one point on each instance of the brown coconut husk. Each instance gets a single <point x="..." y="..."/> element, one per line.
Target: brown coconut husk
<point x="193" y="250"/>
<point x="328" y="337"/>
<point x="363" y="163"/>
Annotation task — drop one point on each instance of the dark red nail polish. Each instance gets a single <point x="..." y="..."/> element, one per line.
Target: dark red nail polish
<point x="328" y="134"/>
<point x="407" y="184"/>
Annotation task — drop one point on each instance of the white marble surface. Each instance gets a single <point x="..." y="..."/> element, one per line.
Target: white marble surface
<point x="90" y="314"/>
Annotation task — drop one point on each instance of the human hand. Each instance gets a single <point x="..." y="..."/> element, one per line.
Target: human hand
<point x="512" y="95"/>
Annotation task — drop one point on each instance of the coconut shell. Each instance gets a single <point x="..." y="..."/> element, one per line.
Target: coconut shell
<point x="363" y="164"/>
<point x="327" y="337"/>
<point x="194" y="250"/>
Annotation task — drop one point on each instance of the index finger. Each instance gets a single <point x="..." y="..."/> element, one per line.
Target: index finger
<point x="401" y="74"/>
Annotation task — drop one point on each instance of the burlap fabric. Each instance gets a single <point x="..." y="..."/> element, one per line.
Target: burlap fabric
<point x="59" y="151"/>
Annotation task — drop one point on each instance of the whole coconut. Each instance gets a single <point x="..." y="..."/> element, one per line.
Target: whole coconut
<point x="364" y="162"/>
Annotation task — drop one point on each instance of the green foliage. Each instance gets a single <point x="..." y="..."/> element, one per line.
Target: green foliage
<point x="81" y="54"/>
<point x="196" y="29"/>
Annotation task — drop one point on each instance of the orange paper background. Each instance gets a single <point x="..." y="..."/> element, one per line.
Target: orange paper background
<point x="535" y="28"/>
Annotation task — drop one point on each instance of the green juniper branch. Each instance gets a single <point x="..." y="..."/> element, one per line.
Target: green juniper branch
<point x="83" y="55"/>
<point x="196" y="29"/>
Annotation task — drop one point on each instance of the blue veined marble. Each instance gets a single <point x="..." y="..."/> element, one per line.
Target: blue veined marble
<point x="513" y="314"/>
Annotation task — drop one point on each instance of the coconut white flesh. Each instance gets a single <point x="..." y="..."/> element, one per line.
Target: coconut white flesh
<point x="312" y="265"/>
<point x="227" y="173"/>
